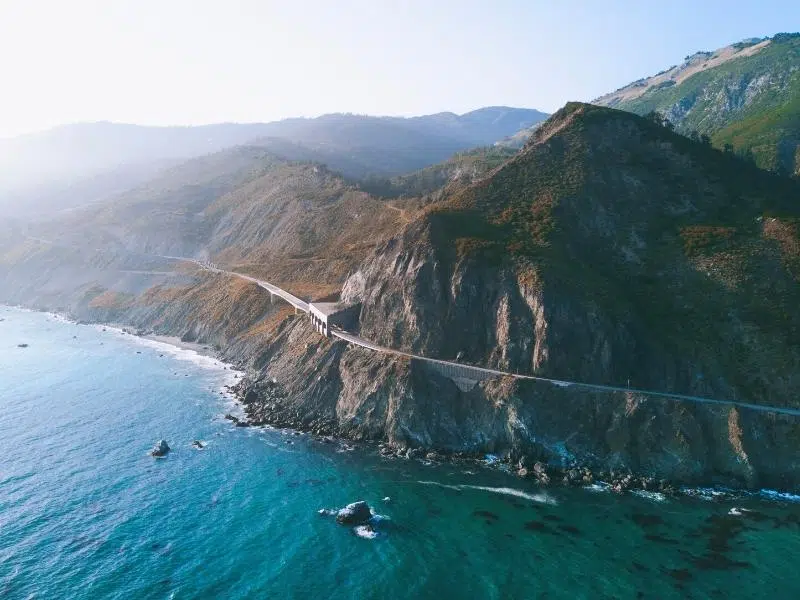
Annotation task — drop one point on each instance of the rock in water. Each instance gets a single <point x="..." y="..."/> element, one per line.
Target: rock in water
<point x="160" y="449"/>
<point x="356" y="513"/>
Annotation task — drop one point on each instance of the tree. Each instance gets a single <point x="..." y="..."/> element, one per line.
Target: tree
<point x="659" y="119"/>
<point x="746" y="154"/>
<point x="655" y="117"/>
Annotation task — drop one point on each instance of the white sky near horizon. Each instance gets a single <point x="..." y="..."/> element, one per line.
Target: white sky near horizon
<point x="188" y="62"/>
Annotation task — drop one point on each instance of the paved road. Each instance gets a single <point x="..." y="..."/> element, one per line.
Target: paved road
<point x="272" y="289"/>
<point x="480" y="373"/>
<point x="471" y="372"/>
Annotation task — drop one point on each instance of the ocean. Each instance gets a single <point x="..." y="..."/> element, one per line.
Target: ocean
<point x="86" y="512"/>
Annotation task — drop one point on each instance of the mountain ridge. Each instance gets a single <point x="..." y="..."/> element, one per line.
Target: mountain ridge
<point x="43" y="164"/>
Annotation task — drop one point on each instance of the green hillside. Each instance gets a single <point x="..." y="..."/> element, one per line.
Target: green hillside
<point x="745" y="96"/>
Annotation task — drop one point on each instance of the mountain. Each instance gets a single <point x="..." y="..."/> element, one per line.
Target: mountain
<point x="745" y="96"/>
<point x="296" y="222"/>
<point x="609" y="250"/>
<point x="46" y="171"/>
<point x="461" y="168"/>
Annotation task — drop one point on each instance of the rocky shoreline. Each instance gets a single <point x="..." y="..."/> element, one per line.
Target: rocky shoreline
<point x="265" y="404"/>
<point x="272" y="410"/>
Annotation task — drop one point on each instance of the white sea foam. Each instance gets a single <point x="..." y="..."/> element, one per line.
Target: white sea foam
<point x="183" y="354"/>
<point x="540" y="498"/>
<point x="598" y="486"/>
<point x="776" y="495"/>
<point x="375" y="519"/>
<point x="654" y="496"/>
<point x="708" y="494"/>
<point x="366" y="532"/>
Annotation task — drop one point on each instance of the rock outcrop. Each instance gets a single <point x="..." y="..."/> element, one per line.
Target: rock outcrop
<point x="356" y="513"/>
<point x="160" y="449"/>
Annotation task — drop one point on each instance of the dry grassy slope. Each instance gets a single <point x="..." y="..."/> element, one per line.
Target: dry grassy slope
<point x="299" y="225"/>
<point x="295" y="223"/>
<point x="693" y="64"/>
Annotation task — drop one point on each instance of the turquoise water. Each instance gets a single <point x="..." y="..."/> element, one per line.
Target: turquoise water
<point x="86" y="513"/>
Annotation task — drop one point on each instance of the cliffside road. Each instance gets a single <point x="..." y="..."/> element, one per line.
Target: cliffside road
<point x="272" y="289"/>
<point x="469" y="373"/>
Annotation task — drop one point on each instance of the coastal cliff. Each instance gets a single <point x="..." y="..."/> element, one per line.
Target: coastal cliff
<point x="609" y="250"/>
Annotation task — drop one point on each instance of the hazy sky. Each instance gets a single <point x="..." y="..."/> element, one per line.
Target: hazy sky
<point x="201" y="61"/>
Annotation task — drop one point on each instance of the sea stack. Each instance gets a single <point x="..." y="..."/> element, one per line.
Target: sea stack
<point x="160" y="449"/>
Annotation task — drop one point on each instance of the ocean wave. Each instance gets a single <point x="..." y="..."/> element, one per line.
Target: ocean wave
<point x="366" y="532"/>
<point x="776" y="495"/>
<point x="707" y="494"/>
<point x="505" y="491"/>
<point x="180" y="353"/>
<point x="598" y="486"/>
<point x="648" y="495"/>
<point x="718" y="494"/>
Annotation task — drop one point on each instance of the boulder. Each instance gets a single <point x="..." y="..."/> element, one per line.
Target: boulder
<point x="540" y="472"/>
<point x="414" y="453"/>
<point x="160" y="449"/>
<point x="356" y="513"/>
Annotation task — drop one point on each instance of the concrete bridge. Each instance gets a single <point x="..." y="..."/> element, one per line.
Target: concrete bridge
<point x="330" y="320"/>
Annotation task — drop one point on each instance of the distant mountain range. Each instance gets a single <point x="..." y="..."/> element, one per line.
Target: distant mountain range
<point x="745" y="96"/>
<point x="76" y="164"/>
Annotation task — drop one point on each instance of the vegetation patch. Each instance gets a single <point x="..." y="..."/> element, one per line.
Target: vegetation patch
<point x="704" y="239"/>
<point x="110" y="299"/>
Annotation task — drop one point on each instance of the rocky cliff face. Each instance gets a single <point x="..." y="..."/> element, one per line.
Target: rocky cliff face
<point x="609" y="252"/>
